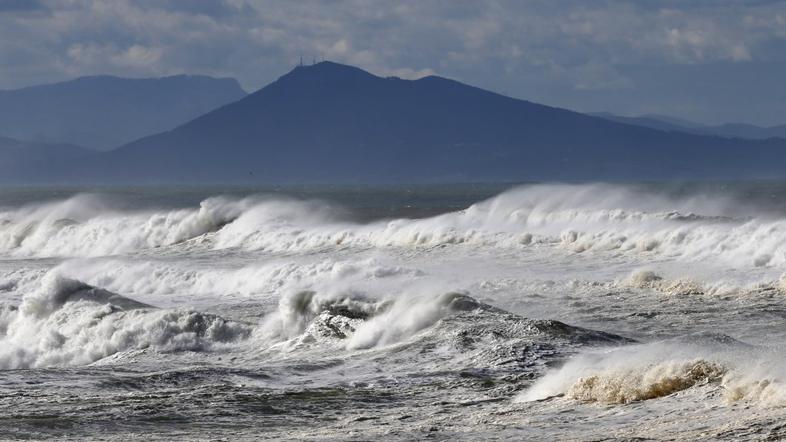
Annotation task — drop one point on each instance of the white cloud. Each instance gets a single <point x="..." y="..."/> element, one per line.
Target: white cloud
<point x="740" y="53"/>
<point x="554" y="44"/>
<point x="436" y="35"/>
<point x="139" y="56"/>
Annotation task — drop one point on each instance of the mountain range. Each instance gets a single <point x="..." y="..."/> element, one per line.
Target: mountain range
<point x="335" y="123"/>
<point x="26" y="155"/>
<point x="104" y="112"/>
<point x="728" y="130"/>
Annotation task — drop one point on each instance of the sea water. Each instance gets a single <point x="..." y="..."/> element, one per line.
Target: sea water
<point x="534" y="311"/>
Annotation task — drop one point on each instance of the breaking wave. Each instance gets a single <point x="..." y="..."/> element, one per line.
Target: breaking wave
<point x="87" y="225"/>
<point x="351" y="320"/>
<point x="578" y="219"/>
<point x="267" y="278"/>
<point x="654" y="381"/>
<point x="67" y="322"/>
<point x="766" y="285"/>
<point x="365" y="322"/>
<point x="651" y="371"/>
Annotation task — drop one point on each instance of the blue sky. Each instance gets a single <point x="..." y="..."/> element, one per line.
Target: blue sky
<point x="707" y="60"/>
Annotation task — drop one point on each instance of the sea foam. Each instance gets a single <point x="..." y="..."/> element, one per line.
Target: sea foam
<point x="66" y="322"/>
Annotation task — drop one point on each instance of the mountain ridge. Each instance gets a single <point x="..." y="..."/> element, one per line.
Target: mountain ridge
<point x="726" y="130"/>
<point x="18" y="155"/>
<point x="88" y="78"/>
<point x="339" y="124"/>
<point x="105" y="111"/>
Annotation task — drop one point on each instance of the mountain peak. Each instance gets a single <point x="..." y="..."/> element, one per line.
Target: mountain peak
<point x="327" y="71"/>
<point x="328" y="66"/>
<point x="330" y="122"/>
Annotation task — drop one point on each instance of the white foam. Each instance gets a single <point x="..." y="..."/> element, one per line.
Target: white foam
<point x="169" y="282"/>
<point x="386" y="319"/>
<point x="580" y="218"/>
<point x="66" y="322"/>
<point x="87" y="225"/>
<point x="651" y="371"/>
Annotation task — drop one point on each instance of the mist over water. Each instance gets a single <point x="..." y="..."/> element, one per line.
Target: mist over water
<point x="638" y="310"/>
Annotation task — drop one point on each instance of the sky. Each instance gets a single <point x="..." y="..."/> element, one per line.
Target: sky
<point x="711" y="61"/>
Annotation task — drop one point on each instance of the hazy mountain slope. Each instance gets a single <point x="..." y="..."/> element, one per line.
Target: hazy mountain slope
<point x="104" y="112"/>
<point x="652" y="122"/>
<point x="728" y="130"/>
<point x="19" y="156"/>
<point x="749" y="131"/>
<point x="336" y="123"/>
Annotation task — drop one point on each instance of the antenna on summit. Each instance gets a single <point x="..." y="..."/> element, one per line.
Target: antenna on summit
<point x="301" y="62"/>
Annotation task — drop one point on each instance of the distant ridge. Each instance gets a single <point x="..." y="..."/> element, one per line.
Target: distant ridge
<point x="728" y="130"/>
<point x="339" y="124"/>
<point x="16" y="155"/>
<point x="104" y="112"/>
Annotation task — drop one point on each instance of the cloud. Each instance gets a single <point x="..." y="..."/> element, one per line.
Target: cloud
<point x="526" y="48"/>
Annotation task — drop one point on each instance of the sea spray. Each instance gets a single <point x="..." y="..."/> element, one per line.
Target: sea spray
<point x="67" y="322"/>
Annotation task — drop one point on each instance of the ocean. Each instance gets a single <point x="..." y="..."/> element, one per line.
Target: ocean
<point x="532" y="311"/>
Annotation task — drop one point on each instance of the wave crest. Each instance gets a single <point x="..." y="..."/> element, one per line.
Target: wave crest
<point x="70" y="323"/>
<point x="625" y="386"/>
<point x="578" y="218"/>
